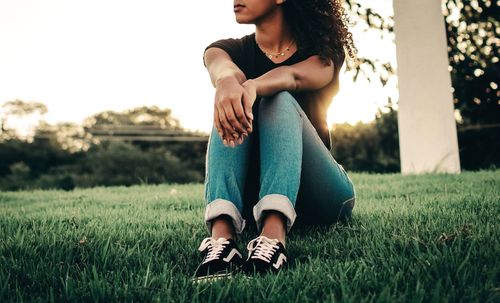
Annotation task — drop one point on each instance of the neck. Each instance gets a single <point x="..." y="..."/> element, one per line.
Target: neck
<point x="272" y="32"/>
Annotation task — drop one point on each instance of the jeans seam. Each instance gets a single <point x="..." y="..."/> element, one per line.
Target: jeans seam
<point x="207" y="183"/>
<point x="303" y="115"/>
<point x="316" y="136"/>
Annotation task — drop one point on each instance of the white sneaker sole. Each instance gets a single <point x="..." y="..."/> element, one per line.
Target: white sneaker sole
<point x="217" y="277"/>
<point x="211" y="278"/>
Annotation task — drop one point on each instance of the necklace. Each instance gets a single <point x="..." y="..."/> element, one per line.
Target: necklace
<point x="276" y="55"/>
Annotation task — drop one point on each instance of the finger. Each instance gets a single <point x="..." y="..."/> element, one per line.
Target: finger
<point x="230" y="139"/>
<point x="234" y="140"/>
<point x="242" y="117"/>
<point x="217" y="124"/>
<point x="242" y="138"/>
<point x="224" y="126"/>
<point x="228" y="128"/>
<point x="220" y="128"/>
<point x="247" y="105"/>
<point x="231" y="117"/>
<point x="217" y="118"/>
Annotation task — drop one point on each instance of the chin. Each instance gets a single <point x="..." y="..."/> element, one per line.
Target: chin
<point x="243" y="21"/>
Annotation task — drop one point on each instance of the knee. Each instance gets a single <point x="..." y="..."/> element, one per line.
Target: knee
<point x="284" y="94"/>
<point x="281" y="103"/>
<point x="284" y="97"/>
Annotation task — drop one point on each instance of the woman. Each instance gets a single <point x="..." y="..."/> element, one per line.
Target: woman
<point x="268" y="157"/>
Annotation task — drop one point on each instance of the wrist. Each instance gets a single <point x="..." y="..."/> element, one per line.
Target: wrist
<point x="252" y="83"/>
<point x="226" y="79"/>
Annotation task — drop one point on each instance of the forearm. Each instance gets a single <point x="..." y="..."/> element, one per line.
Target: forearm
<point x="278" y="79"/>
<point x="310" y="74"/>
<point x="226" y="71"/>
<point x="220" y="66"/>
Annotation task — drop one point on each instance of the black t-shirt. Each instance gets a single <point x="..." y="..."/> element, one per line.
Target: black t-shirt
<point x="250" y="59"/>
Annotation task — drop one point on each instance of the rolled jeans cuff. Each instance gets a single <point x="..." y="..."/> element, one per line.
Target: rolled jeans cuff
<point x="224" y="207"/>
<point x="276" y="202"/>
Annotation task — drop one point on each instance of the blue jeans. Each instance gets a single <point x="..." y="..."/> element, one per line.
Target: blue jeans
<point x="283" y="165"/>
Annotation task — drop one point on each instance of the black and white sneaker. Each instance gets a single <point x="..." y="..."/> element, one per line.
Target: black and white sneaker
<point x="222" y="259"/>
<point x="265" y="255"/>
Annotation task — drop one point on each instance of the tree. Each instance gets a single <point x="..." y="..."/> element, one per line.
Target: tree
<point x="472" y="30"/>
<point x="144" y="115"/>
<point x="369" y="147"/>
<point x="120" y="163"/>
<point x="18" y="108"/>
<point x="143" y="118"/>
<point x="370" y="67"/>
<point x="69" y="136"/>
<point x="471" y="27"/>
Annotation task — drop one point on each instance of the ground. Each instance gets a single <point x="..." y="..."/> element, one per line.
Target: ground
<point x="418" y="238"/>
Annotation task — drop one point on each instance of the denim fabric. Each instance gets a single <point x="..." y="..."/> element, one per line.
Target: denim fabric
<point x="283" y="165"/>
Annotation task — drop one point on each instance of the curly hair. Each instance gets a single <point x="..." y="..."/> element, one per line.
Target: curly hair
<point x="322" y="26"/>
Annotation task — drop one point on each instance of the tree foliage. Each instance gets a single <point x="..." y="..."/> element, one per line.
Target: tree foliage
<point x="370" y="67"/>
<point x="369" y="147"/>
<point x="144" y="115"/>
<point x="472" y="29"/>
<point x="65" y="155"/>
<point x="19" y="109"/>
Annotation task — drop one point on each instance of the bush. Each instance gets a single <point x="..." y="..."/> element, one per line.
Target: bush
<point x="119" y="163"/>
<point x="371" y="147"/>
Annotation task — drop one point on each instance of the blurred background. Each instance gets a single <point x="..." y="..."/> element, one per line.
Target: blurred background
<point x="115" y="92"/>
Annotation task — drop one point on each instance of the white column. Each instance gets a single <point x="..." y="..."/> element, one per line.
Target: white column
<point x="427" y="129"/>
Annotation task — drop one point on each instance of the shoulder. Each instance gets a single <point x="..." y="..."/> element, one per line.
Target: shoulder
<point x="233" y="42"/>
<point x="248" y="39"/>
<point x="234" y="47"/>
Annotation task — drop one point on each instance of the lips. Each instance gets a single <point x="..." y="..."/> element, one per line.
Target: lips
<point x="238" y="7"/>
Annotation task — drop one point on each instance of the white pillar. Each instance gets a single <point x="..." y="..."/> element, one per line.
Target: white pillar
<point x="427" y="128"/>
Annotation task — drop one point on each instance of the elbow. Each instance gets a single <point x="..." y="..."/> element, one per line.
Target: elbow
<point x="303" y="83"/>
<point x="314" y="77"/>
<point x="312" y="81"/>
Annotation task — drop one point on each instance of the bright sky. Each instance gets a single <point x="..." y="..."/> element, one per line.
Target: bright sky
<point x="83" y="57"/>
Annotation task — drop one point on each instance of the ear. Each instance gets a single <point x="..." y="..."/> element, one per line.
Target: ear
<point x="279" y="2"/>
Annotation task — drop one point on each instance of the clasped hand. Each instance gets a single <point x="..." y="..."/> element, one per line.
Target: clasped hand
<point x="233" y="115"/>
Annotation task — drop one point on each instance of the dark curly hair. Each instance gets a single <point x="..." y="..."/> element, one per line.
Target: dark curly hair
<point x="320" y="25"/>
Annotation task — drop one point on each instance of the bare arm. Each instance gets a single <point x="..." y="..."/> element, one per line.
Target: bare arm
<point x="232" y="103"/>
<point x="309" y="74"/>
<point x="220" y="66"/>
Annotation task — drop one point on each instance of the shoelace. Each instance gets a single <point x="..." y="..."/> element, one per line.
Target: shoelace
<point x="215" y="247"/>
<point x="264" y="249"/>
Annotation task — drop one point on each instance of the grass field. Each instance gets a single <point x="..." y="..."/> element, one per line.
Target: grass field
<point x="427" y="238"/>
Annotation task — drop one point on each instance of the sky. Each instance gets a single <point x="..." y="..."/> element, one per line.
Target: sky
<point x="83" y="57"/>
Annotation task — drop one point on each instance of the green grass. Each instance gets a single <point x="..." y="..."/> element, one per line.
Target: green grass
<point x="411" y="239"/>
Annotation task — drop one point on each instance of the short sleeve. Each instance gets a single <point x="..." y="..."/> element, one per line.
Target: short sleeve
<point x="233" y="47"/>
